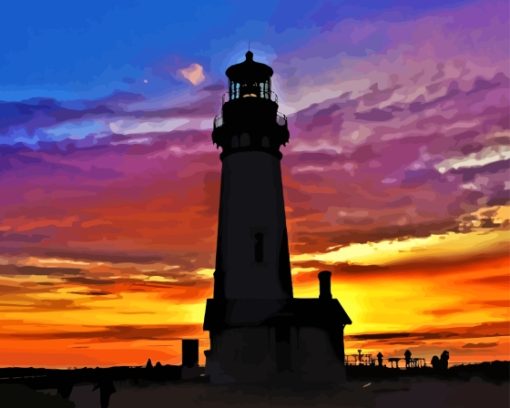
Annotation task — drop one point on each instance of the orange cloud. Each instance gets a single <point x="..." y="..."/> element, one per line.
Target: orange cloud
<point x="194" y="73"/>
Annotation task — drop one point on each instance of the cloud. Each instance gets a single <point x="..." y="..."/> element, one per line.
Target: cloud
<point x="30" y="305"/>
<point x="118" y="333"/>
<point x="376" y="115"/>
<point x="91" y="293"/>
<point x="399" y="134"/>
<point x="178" y="331"/>
<point x="126" y="127"/>
<point x="429" y="268"/>
<point x="493" y="329"/>
<point x="479" y="345"/>
<point x="37" y="270"/>
<point x="445" y="311"/>
<point x="194" y="73"/>
<point x="43" y="123"/>
<point x="503" y="280"/>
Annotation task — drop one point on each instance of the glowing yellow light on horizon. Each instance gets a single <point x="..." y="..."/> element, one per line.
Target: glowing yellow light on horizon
<point x="394" y="251"/>
<point x="157" y="278"/>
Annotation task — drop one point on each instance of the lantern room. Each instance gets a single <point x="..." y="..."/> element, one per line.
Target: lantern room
<point x="249" y="79"/>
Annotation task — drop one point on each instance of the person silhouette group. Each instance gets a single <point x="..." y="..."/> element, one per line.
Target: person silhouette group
<point x="437" y="363"/>
<point x="440" y="364"/>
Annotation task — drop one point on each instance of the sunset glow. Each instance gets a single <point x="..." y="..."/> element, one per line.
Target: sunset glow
<point x="395" y="176"/>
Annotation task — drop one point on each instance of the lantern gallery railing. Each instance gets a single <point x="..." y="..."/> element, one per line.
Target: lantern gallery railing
<point x="218" y="121"/>
<point x="281" y="120"/>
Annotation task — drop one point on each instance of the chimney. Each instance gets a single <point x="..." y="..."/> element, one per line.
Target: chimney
<point x="325" y="285"/>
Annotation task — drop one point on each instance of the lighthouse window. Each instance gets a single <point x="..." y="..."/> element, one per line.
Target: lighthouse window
<point x="249" y="90"/>
<point x="234" y="91"/>
<point x="259" y="247"/>
<point x="245" y="140"/>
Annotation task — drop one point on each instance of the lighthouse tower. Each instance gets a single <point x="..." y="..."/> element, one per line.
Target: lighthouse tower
<point x="258" y="331"/>
<point x="252" y="252"/>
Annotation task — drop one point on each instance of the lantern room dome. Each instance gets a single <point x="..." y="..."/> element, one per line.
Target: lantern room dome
<point x="249" y="70"/>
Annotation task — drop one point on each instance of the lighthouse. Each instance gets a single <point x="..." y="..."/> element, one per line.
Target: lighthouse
<point x="258" y="331"/>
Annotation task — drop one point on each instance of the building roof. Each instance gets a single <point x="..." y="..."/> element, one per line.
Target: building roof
<point x="223" y="313"/>
<point x="249" y="70"/>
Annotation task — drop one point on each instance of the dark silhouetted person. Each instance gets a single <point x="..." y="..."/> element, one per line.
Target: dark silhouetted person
<point x="65" y="387"/>
<point x="106" y="389"/>
<point x="379" y="358"/>
<point x="445" y="356"/>
<point x="435" y="363"/>
<point x="407" y="356"/>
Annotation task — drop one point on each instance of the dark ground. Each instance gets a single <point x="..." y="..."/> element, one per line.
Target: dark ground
<point x="407" y="392"/>
<point x="482" y="385"/>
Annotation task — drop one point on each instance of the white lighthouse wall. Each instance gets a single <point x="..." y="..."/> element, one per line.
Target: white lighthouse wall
<point x="316" y="356"/>
<point x="241" y="355"/>
<point x="252" y="203"/>
<point x="250" y="354"/>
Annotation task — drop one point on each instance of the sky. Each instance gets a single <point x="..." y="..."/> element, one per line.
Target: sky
<point x="395" y="177"/>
